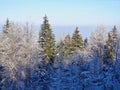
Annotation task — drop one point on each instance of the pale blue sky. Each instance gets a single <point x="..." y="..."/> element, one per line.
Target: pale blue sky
<point x="62" y="12"/>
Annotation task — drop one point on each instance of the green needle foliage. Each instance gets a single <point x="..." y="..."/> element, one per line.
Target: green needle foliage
<point x="77" y="42"/>
<point x="47" y="40"/>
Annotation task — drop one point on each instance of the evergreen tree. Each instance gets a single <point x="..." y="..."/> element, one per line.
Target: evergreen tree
<point x="85" y="43"/>
<point x="77" y="41"/>
<point x="111" y="43"/>
<point x="67" y="47"/>
<point x="109" y="47"/>
<point x="6" y="26"/>
<point x="47" y="40"/>
<point x="67" y="44"/>
<point x="115" y="33"/>
<point x="67" y="40"/>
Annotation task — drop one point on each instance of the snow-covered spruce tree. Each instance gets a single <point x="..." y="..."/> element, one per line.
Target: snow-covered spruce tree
<point x="17" y="56"/>
<point x="109" y="47"/>
<point x="111" y="44"/>
<point x="67" y="42"/>
<point x="77" y="42"/>
<point x="85" y="43"/>
<point x="47" y="40"/>
<point x="67" y="47"/>
<point x="6" y="26"/>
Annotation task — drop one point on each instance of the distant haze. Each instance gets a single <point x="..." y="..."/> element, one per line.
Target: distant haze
<point x="61" y="31"/>
<point x="63" y="15"/>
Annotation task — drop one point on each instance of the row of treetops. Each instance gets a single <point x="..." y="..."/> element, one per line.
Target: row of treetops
<point x="69" y="44"/>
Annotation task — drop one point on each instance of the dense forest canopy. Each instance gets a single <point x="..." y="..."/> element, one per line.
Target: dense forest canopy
<point x="73" y="63"/>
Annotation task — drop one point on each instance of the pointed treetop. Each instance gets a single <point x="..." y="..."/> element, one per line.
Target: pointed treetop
<point x="115" y="33"/>
<point x="86" y="40"/>
<point x="114" y="28"/>
<point x="7" y="21"/>
<point x="68" y="35"/>
<point x="45" y="17"/>
<point x="109" y="34"/>
<point x="76" y="30"/>
<point x="6" y="26"/>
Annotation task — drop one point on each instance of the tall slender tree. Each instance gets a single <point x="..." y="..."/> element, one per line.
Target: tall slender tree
<point x="6" y="26"/>
<point x="47" y="40"/>
<point x="77" y="41"/>
<point x="111" y="43"/>
<point x="67" y="47"/>
<point x="67" y="44"/>
<point x="85" y="43"/>
<point x="115" y="33"/>
<point x="109" y="47"/>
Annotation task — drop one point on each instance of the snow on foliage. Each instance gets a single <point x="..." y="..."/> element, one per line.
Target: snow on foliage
<point x="17" y="54"/>
<point x="22" y="67"/>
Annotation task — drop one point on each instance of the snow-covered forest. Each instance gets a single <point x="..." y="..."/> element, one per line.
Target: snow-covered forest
<point x="30" y="63"/>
